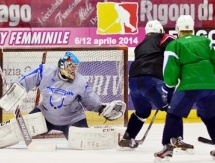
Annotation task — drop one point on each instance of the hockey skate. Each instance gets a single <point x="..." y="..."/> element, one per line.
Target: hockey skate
<point x="165" y="154"/>
<point x="181" y="147"/>
<point x="212" y="153"/>
<point x="128" y="142"/>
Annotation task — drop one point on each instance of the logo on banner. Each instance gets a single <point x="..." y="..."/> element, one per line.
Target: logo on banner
<point x="117" y="18"/>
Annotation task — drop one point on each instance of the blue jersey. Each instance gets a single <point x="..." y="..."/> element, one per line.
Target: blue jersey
<point x="63" y="102"/>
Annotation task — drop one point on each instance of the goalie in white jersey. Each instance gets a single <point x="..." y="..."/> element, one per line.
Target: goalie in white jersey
<point x="66" y="94"/>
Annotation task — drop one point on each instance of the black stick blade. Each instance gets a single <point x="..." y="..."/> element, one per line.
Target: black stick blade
<point x="205" y="140"/>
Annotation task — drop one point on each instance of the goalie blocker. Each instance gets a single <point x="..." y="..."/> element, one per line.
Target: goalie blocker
<point x="10" y="133"/>
<point x="13" y="97"/>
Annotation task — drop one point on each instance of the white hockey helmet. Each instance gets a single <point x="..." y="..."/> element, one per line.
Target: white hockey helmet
<point x="154" y="26"/>
<point x="184" y="23"/>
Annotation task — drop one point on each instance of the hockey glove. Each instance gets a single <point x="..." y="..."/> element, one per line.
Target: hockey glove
<point x="167" y="93"/>
<point x="113" y="111"/>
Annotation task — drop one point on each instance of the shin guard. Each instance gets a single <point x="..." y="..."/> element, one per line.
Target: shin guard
<point x="134" y="126"/>
<point x="172" y="128"/>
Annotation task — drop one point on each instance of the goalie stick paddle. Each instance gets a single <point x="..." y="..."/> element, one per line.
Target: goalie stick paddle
<point x="205" y="140"/>
<point x="26" y="136"/>
<point x="148" y="129"/>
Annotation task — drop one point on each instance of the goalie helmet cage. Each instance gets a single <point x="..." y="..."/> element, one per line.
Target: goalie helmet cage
<point x="106" y="69"/>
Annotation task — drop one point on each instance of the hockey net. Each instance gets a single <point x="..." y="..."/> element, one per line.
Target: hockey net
<point x="104" y="67"/>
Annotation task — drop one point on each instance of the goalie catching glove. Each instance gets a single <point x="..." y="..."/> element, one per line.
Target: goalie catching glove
<point x="113" y="111"/>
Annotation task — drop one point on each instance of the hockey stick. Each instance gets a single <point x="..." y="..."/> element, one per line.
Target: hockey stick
<point x="27" y="138"/>
<point x="205" y="140"/>
<point x="147" y="131"/>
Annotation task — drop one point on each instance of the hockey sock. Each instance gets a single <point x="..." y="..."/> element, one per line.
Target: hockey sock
<point x="210" y="125"/>
<point x="136" y="123"/>
<point x="172" y="128"/>
<point x="181" y="129"/>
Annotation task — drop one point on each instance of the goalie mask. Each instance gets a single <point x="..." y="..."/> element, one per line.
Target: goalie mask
<point x="68" y="66"/>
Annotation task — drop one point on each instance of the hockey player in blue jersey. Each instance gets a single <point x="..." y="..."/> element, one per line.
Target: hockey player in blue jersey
<point x="65" y="95"/>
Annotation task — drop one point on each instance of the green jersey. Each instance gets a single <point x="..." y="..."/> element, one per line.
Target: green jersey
<point x="189" y="63"/>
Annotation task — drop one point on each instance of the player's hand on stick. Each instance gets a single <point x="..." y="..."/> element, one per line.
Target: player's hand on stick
<point x="113" y="111"/>
<point x="167" y="93"/>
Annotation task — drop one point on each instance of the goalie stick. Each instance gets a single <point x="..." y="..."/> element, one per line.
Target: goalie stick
<point x="27" y="138"/>
<point x="205" y="140"/>
<point x="148" y="129"/>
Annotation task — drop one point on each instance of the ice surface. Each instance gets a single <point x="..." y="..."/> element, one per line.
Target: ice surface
<point x="143" y="154"/>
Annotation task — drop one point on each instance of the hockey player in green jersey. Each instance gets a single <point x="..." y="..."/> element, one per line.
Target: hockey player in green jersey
<point x="189" y="68"/>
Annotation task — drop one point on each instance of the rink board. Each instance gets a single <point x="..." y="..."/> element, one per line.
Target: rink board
<point x="98" y="120"/>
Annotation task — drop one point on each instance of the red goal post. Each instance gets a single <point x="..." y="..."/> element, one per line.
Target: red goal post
<point x="106" y="68"/>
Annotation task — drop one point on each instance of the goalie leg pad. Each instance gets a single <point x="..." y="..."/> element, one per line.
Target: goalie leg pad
<point x="94" y="138"/>
<point x="9" y="133"/>
<point x="36" y="123"/>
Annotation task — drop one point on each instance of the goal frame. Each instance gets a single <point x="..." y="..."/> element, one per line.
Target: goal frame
<point x="71" y="48"/>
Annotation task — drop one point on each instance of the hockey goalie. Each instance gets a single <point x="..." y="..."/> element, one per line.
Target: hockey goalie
<point x="65" y="96"/>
